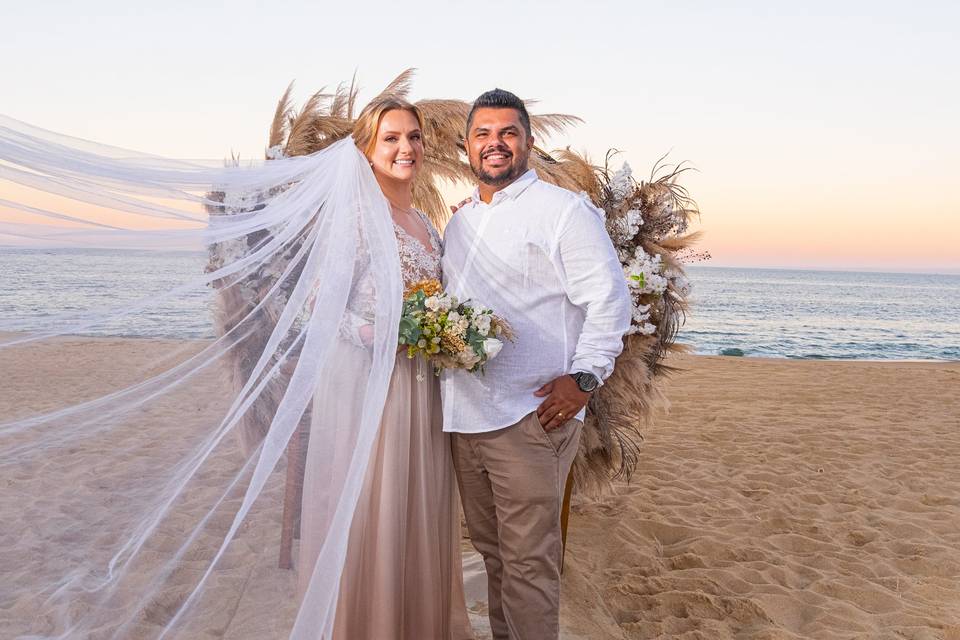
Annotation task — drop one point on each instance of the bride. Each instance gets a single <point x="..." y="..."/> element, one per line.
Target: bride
<point x="402" y="577"/>
<point x="320" y="249"/>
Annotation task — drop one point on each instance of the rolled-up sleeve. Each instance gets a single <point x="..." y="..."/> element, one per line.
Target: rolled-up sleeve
<point x="594" y="281"/>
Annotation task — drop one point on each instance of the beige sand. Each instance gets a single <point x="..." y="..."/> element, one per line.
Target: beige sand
<point x="784" y="499"/>
<point x="778" y="499"/>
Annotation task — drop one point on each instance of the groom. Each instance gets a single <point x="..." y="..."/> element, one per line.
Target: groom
<point x="539" y="256"/>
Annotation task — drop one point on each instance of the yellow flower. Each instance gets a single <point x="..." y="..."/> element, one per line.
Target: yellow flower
<point x="429" y="287"/>
<point x="451" y="342"/>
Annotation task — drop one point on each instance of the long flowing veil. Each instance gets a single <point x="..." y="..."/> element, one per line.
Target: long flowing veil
<point x="138" y="506"/>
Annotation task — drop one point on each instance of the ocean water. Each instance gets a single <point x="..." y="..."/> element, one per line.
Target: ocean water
<point x="751" y="312"/>
<point x="823" y="314"/>
<point x="39" y="283"/>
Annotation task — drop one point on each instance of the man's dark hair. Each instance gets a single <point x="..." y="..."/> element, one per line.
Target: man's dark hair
<point x="500" y="99"/>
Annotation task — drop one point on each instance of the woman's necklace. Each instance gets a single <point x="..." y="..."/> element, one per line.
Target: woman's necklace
<point x="406" y="218"/>
<point x="409" y="212"/>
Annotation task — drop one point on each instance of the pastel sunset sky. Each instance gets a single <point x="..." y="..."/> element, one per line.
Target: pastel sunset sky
<point x="825" y="134"/>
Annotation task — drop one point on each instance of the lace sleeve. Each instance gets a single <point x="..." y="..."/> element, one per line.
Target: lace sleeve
<point x="417" y="262"/>
<point x="361" y="309"/>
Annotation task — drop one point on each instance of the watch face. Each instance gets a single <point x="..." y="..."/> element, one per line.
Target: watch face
<point x="587" y="381"/>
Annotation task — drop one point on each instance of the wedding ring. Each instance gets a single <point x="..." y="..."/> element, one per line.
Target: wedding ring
<point x="560" y="413"/>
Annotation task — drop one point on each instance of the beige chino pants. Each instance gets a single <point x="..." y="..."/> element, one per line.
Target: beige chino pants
<point x="511" y="484"/>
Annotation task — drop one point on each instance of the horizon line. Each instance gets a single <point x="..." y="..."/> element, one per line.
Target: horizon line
<point x="932" y="271"/>
<point x="923" y="271"/>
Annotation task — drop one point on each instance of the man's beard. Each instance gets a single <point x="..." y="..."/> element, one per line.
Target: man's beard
<point x="515" y="170"/>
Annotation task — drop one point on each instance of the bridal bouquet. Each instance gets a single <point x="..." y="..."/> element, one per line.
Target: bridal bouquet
<point x="448" y="333"/>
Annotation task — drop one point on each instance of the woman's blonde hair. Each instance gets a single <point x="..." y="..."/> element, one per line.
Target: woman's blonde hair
<point x="365" y="128"/>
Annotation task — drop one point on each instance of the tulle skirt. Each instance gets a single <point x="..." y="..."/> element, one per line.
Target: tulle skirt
<point x="403" y="575"/>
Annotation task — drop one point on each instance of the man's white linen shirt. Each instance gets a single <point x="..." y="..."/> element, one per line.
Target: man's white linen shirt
<point x="540" y="257"/>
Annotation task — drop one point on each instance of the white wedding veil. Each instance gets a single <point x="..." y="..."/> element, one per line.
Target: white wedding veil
<point x="139" y="506"/>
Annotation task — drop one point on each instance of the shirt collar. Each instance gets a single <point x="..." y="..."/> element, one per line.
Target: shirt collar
<point x="510" y="191"/>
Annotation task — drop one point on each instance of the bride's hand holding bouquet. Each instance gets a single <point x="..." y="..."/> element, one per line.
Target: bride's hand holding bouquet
<point x="448" y="333"/>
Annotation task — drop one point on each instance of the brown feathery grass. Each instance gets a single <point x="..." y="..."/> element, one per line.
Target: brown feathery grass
<point x="281" y="119"/>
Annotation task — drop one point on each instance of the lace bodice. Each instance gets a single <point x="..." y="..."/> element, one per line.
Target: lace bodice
<point x="418" y="262"/>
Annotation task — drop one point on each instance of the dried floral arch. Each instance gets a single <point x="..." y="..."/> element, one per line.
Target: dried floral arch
<point x="647" y="221"/>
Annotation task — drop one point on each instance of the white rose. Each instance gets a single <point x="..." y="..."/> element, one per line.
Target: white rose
<point x="453" y="317"/>
<point x="492" y="346"/>
<point x="482" y="323"/>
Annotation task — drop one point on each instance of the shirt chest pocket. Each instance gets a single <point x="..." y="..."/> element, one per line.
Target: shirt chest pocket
<point x="526" y="252"/>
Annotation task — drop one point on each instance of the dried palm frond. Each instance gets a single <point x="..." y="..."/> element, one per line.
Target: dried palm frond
<point x="444" y="122"/>
<point x="610" y="446"/>
<point x="580" y="171"/>
<point x="547" y="124"/>
<point x="301" y="139"/>
<point x="662" y="194"/>
<point x="329" y="129"/>
<point x="678" y="243"/>
<point x="344" y="100"/>
<point x="399" y="86"/>
<point x="281" y="119"/>
<point x="554" y="172"/>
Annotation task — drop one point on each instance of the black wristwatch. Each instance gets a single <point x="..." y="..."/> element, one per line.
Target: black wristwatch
<point x="586" y="381"/>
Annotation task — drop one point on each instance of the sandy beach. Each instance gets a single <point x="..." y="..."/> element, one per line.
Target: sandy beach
<point x="783" y="499"/>
<point x="777" y="499"/>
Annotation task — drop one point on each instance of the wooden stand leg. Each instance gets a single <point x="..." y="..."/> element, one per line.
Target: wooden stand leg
<point x="304" y="433"/>
<point x="291" y="500"/>
<point x="565" y="516"/>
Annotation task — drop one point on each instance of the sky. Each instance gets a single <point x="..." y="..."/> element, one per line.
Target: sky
<point x="824" y="135"/>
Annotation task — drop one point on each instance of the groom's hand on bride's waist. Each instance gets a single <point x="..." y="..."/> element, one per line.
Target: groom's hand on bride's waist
<point x="564" y="400"/>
